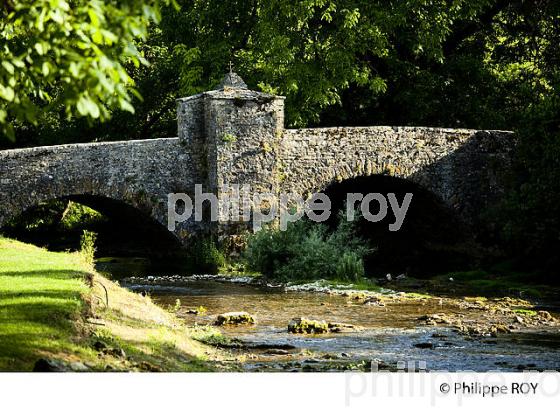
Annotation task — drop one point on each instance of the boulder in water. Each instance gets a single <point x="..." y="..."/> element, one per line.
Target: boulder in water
<point x="234" y="318"/>
<point x="304" y="325"/>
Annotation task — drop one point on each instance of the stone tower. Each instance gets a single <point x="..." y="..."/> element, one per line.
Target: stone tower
<point x="233" y="136"/>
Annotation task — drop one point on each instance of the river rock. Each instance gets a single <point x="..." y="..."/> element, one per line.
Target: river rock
<point x="436" y="319"/>
<point x="49" y="365"/>
<point x="336" y="327"/>
<point x="234" y="318"/>
<point x="358" y="295"/>
<point x="276" y="352"/>
<point x="304" y="325"/>
<point x="544" y="315"/>
<point x="424" y="345"/>
<point x="78" y="367"/>
<point x="53" y="365"/>
<point x="500" y="328"/>
<point x="373" y="301"/>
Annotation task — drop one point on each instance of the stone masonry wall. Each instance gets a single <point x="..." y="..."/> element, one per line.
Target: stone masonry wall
<point x="241" y="131"/>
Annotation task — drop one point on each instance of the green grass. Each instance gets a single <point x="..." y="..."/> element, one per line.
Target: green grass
<point x="497" y="281"/>
<point x="361" y="284"/>
<point x="45" y="304"/>
<point x="40" y="302"/>
<point x="211" y="336"/>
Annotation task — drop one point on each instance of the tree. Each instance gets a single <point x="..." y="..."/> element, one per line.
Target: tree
<point x="69" y="53"/>
<point x="459" y="63"/>
<point x="312" y="51"/>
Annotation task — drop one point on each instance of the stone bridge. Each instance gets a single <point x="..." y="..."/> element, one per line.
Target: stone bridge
<point x="232" y="135"/>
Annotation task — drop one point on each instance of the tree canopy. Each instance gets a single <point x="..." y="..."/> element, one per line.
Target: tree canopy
<point x="69" y="53"/>
<point x="465" y="63"/>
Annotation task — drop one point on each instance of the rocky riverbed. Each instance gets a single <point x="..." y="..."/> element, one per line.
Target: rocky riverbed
<point x="319" y="327"/>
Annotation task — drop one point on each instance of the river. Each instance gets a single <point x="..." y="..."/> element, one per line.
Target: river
<point x="392" y="334"/>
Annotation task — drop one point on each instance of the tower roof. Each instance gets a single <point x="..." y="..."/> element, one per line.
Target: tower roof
<point x="232" y="86"/>
<point x="232" y="80"/>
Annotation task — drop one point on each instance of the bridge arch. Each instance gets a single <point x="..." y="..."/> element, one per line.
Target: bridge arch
<point x="122" y="228"/>
<point x="464" y="169"/>
<point x="432" y="238"/>
<point x="138" y="174"/>
<point x="233" y="135"/>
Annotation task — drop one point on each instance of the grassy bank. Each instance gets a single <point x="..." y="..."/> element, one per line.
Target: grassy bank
<point x="487" y="283"/>
<point x="54" y="306"/>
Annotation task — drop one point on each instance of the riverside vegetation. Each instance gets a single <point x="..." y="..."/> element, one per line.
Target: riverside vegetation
<point x="478" y="64"/>
<point x="308" y="250"/>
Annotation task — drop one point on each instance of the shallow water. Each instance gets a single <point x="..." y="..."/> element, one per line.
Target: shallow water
<point x="389" y="335"/>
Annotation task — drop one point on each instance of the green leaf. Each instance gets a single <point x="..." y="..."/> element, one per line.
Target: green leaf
<point x="93" y="17"/>
<point x="7" y="93"/>
<point x="97" y="37"/>
<point x="87" y="108"/>
<point x="126" y="106"/>
<point x="45" y="69"/>
<point x="8" y="67"/>
<point x="39" y="48"/>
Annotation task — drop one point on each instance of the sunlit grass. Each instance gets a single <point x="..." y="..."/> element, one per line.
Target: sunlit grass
<point x="45" y="302"/>
<point x="40" y="302"/>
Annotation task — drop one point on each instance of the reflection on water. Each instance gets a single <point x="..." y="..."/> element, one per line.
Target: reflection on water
<point x="122" y="267"/>
<point x="390" y="334"/>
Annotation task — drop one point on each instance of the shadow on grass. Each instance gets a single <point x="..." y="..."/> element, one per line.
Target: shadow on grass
<point x="41" y="311"/>
<point x="46" y="274"/>
<point x="39" y="318"/>
<point x="38" y="309"/>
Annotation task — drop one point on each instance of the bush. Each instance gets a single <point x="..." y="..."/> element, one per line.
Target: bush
<point x="87" y="246"/>
<point x="350" y="267"/>
<point x="307" y="250"/>
<point x="207" y="257"/>
<point x="77" y="215"/>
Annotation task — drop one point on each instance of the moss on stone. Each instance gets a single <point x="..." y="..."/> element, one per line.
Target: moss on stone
<point x="234" y="318"/>
<point x="304" y="325"/>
